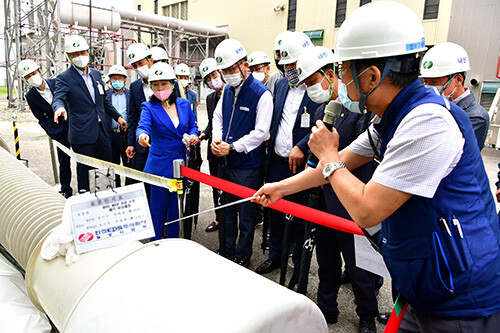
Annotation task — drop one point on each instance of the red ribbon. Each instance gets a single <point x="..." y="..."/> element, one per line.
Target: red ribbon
<point x="395" y="320"/>
<point x="284" y="206"/>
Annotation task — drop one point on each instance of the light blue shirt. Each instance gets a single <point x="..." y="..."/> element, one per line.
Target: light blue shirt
<point x="88" y="82"/>
<point x="119" y="101"/>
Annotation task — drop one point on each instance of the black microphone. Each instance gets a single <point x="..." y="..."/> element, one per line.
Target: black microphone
<point x="332" y="113"/>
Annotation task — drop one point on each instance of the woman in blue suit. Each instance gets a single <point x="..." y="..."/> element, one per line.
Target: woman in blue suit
<point x="167" y="119"/>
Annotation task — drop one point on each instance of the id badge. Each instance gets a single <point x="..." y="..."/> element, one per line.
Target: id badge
<point x="99" y="87"/>
<point x="305" y="120"/>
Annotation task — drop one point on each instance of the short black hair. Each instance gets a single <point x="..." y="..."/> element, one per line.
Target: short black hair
<point x="410" y="65"/>
<point x="463" y="75"/>
<point x="173" y="95"/>
<point x="326" y="68"/>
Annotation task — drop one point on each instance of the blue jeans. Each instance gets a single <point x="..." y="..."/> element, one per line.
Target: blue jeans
<point x="247" y="213"/>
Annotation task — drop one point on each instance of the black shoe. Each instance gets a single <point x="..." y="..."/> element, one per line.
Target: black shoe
<point x="344" y="278"/>
<point x="330" y="319"/>
<point x="267" y="267"/>
<point x="367" y="326"/>
<point x="242" y="261"/>
<point x="232" y="258"/>
<point x="66" y="195"/>
<point x="384" y="318"/>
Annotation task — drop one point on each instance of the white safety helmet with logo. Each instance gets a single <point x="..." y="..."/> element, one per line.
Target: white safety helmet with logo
<point x="229" y="52"/>
<point x="292" y="47"/>
<point x="313" y="59"/>
<point x="444" y="59"/>
<point x="161" y="71"/>
<point x="117" y="70"/>
<point x="27" y="66"/>
<point x="279" y="39"/>
<point x="137" y="52"/>
<point x="258" y="58"/>
<point x="75" y="43"/>
<point x="207" y="66"/>
<point x="182" y="70"/>
<point x="159" y="54"/>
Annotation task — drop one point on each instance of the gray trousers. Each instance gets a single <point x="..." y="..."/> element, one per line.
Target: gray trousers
<point x="417" y="322"/>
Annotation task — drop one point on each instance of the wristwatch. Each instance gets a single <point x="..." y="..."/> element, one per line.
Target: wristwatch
<point x="232" y="150"/>
<point x="330" y="168"/>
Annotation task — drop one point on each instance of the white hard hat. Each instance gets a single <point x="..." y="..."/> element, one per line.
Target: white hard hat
<point x="27" y="66"/>
<point x="279" y="39"/>
<point x="117" y="70"/>
<point x="182" y="70"/>
<point x="207" y="66"/>
<point x="158" y="53"/>
<point x="313" y="59"/>
<point x="380" y="29"/>
<point x="292" y="47"/>
<point x="444" y="59"/>
<point x="258" y="58"/>
<point x="75" y="43"/>
<point x="161" y="71"/>
<point x="229" y="52"/>
<point x="136" y="52"/>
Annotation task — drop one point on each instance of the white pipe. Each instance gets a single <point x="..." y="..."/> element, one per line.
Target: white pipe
<point x="72" y="13"/>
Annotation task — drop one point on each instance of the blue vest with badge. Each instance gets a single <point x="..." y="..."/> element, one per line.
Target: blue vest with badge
<point x="238" y="119"/>
<point x="443" y="252"/>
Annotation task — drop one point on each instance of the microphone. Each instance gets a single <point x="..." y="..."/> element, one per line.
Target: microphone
<point x="332" y="113"/>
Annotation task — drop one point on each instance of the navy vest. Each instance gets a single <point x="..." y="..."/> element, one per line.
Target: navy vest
<point x="238" y="119"/>
<point x="439" y="274"/>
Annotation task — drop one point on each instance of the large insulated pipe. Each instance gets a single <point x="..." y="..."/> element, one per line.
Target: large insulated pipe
<point x="78" y="11"/>
<point x="157" y="287"/>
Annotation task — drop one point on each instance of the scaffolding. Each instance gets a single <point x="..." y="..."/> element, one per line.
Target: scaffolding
<point x="35" y="29"/>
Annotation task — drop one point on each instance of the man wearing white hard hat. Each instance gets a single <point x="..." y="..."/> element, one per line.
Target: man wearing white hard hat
<point x="119" y="96"/>
<point x="81" y="99"/>
<point x="280" y="72"/>
<point x="183" y="74"/>
<point x="240" y="126"/>
<point x="444" y="67"/>
<point x="39" y="99"/>
<point x="258" y="62"/>
<point x="287" y="147"/>
<point x="316" y="69"/>
<point x="159" y="54"/>
<point x="440" y="233"/>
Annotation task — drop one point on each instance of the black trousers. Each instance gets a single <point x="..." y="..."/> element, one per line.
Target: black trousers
<point x="118" y="155"/>
<point x="64" y="169"/>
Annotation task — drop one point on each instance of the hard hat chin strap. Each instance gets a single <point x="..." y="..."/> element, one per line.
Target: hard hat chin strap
<point x="385" y="72"/>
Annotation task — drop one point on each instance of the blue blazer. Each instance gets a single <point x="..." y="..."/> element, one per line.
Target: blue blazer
<point x="109" y="93"/>
<point x="300" y="135"/>
<point x="73" y="95"/>
<point x="166" y="140"/>
<point x="134" y="112"/>
<point x="42" y="110"/>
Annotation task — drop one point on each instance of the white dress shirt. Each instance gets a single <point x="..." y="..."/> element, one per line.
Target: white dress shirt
<point x="148" y="92"/>
<point x="255" y="137"/>
<point x="284" y="137"/>
<point x="46" y="93"/>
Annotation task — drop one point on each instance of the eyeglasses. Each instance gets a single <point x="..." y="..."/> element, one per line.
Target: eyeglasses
<point x="231" y="68"/>
<point x="339" y="70"/>
<point x="259" y="68"/>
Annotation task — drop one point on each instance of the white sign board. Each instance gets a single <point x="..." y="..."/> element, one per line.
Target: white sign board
<point x="110" y="218"/>
<point x="369" y="259"/>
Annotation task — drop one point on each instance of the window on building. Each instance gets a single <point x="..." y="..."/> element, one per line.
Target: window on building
<point x="340" y="12"/>
<point x="488" y="92"/>
<point x="316" y="36"/>
<point x="431" y="8"/>
<point x="177" y="10"/>
<point x="292" y="15"/>
<point x="364" y="2"/>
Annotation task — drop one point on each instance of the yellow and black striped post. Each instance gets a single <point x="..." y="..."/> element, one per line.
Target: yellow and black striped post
<point x="16" y="138"/>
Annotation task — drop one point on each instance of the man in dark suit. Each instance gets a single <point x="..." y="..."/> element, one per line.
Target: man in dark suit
<point x="118" y="95"/>
<point x="80" y="99"/>
<point x="39" y="99"/>
<point x="287" y="149"/>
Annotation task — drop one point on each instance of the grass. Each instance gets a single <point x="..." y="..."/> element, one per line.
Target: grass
<point x="3" y="91"/>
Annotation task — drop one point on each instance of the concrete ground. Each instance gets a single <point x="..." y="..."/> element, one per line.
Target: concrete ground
<point x="35" y="148"/>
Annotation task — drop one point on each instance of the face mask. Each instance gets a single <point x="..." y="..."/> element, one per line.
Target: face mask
<point x="317" y="94"/>
<point x="81" y="61"/>
<point x="439" y="89"/>
<point x="184" y="83"/>
<point x="450" y="96"/>
<point x="234" y="80"/>
<point x="117" y="85"/>
<point x="259" y="76"/>
<point x="292" y="76"/>
<point x="143" y="71"/>
<point x="163" y="95"/>
<point x="35" y="80"/>
<point x="281" y="68"/>
<point x="352" y="106"/>
<point x="215" y="84"/>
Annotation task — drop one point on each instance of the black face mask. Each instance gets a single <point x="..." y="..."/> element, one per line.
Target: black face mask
<point x="281" y="68"/>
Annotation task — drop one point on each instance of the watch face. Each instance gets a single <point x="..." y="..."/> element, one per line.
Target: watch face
<point x="328" y="168"/>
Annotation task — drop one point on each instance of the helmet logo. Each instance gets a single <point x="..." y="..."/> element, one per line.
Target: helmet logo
<point x="26" y="68"/>
<point x="158" y="72"/>
<point x="427" y="65"/>
<point x="299" y="71"/>
<point x="239" y="50"/>
<point x="279" y="42"/>
<point x="131" y="55"/>
<point x="323" y="55"/>
<point x="218" y="59"/>
<point x="76" y="44"/>
<point x="205" y="68"/>
<point x="462" y="60"/>
<point x="284" y="53"/>
<point x="251" y="60"/>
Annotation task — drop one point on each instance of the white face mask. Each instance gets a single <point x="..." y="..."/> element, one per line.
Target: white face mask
<point x="35" y="80"/>
<point x="259" y="76"/>
<point x="233" y="80"/>
<point x="81" y="61"/>
<point x="143" y="71"/>
<point x="184" y="83"/>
